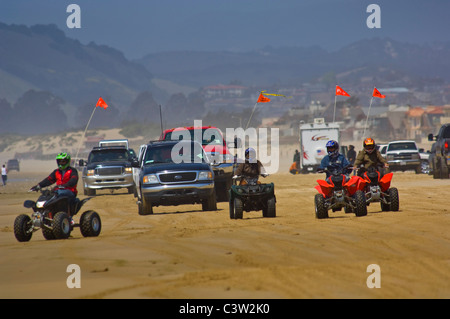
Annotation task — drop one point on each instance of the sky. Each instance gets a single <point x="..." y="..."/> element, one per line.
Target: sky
<point x="140" y="27"/>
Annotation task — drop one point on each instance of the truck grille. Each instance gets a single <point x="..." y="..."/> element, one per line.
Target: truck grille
<point x="106" y="171"/>
<point x="403" y="156"/>
<point x="177" y="177"/>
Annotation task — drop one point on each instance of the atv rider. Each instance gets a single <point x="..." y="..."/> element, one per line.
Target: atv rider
<point x="370" y="157"/>
<point x="65" y="177"/>
<point x="334" y="159"/>
<point x="251" y="168"/>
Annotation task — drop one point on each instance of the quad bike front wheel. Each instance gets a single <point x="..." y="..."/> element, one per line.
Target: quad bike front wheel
<point x="321" y="209"/>
<point x="61" y="226"/>
<point x="360" y="204"/>
<point x="22" y="228"/>
<point x="393" y="199"/>
<point x="236" y="209"/>
<point x="90" y="224"/>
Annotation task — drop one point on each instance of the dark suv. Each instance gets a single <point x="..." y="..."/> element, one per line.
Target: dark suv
<point x="108" y="168"/>
<point x="13" y="164"/>
<point x="174" y="173"/>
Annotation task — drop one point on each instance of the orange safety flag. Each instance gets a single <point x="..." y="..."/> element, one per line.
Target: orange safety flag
<point x="262" y="99"/>
<point x="377" y="93"/>
<point x="340" y="91"/>
<point x="101" y="103"/>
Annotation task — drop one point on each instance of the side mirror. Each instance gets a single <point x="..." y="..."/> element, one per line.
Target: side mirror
<point x="81" y="162"/>
<point x="430" y="137"/>
<point x="134" y="162"/>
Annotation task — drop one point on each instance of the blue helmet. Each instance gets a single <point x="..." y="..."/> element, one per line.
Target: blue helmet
<point x="332" y="148"/>
<point x="250" y="155"/>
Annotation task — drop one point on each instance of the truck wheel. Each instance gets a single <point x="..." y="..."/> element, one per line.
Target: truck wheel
<point x="321" y="210"/>
<point x="394" y="200"/>
<point x="89" y="192"/>
<point x="61" y="225"/>
<point x="145" y="207"/>
<point x="131" y="190"/>
<point x="22" y="225"/>
<point x="90" y="224"/>
<point x="360" y="204"/>
<point x="444" y="169"/>
<point x="210" y="203"/>
<point x="435" y="168"/>
<point x="238" y="209"/>
<point x="271" y="208"/>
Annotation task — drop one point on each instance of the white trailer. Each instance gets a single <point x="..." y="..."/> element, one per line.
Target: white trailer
<point x="313" y="139"/>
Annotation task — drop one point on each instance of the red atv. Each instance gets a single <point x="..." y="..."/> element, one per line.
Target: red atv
<point x="339" y="192"/>
<point x="378" y="188"/>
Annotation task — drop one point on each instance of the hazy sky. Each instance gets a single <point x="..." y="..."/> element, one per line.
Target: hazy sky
<point x="139" y="27"/>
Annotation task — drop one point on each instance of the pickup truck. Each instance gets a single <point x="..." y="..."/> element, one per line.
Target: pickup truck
<point x="174" y="173"/>
<point x="440" y="152"/>
<point x="214" y="144"/>
<point x="107" y="167"/>
<point x="403" y="155"/>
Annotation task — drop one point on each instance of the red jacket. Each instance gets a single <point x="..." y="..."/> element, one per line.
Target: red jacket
<point x="67" y="178"/>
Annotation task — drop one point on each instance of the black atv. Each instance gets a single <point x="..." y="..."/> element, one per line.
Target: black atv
<point x="252" y="196"/>
<point x="53" y="214"/>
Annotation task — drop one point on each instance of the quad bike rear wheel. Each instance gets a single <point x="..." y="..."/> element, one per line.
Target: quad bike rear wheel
<point x="22" y="227"/>
<point x="90" y="224"/>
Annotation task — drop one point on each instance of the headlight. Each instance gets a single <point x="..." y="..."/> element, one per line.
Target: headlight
<point x="90" y="172"/>
<point x="150" y="179"/>
<point x="40" y="204"/>
<point x="416" y="156"/>
<point x="205" y="176"/>
<point x="128" y="170"/>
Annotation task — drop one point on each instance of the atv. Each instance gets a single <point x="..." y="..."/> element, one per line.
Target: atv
<point x="338" y="193"/>
<point x="377" y="189"/>
<point x="251" y="195"/>
<point x="53" y="214"/>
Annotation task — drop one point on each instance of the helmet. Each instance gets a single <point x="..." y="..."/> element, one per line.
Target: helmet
<point x="369" y="145"/>
<point x="250" y="155"/>
<point x="332" y="148"/>
<point x="63" y="160"/>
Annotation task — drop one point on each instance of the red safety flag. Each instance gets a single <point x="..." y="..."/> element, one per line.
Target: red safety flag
<point x="377" y="93"/>
<point x="262" y="99"/>
<point x="340" y="91"/>
<point x="101" y="103"/>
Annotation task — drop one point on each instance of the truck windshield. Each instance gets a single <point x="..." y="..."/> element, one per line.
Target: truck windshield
<point x="208" y="136"/>
<point x="402" y="146"/>
<point x="108" y="156"/>
<point x="163" y="154"/>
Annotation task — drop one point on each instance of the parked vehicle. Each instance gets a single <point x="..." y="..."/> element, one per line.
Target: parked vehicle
<point x="53" y="214"/>
<point x="13" y="164"/>
<point x="403" y="155"/>
<point x="440" y="152"/>
<point x="382" y="148"/>
<point x="107" y="167"/>
<point x="313" y="138"/>
<point x="174" y="173"/>
<point x="252" y="196"/>
<point x="214" y="144"/>
<point x="338" y="193"/>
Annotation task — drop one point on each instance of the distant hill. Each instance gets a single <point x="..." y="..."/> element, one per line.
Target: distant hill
<point x="390" y="61"/>
<point x="41" y="57"/>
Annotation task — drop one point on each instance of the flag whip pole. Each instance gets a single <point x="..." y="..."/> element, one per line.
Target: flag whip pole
<point x="334" y="112"/>
<point x="254" y="107"/>
<point x="367" y="118"/>
<point x="82" y="137"/>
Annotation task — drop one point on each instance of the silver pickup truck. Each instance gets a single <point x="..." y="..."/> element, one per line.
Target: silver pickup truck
<point x="403" y="156"/>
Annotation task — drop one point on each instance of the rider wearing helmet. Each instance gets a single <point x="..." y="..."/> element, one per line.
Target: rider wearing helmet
<point x="334" y="158"/>
<point x="65" y="177"/>
<point x="369" y="156"/>
<point x="251" y="167"/>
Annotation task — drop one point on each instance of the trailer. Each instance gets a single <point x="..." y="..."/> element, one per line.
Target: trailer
<point x="313" y="139"/>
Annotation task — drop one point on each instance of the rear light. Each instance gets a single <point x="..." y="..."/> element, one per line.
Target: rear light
<point x="446" y="146"/>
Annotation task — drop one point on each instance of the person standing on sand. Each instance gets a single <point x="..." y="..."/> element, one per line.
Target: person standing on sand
<point x="4" y="174"/>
